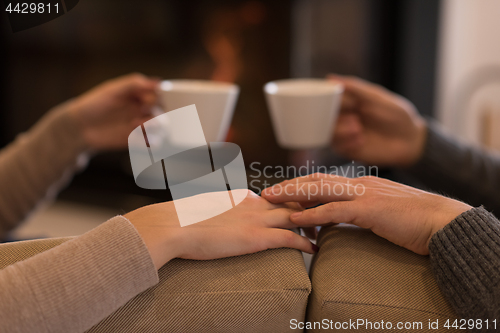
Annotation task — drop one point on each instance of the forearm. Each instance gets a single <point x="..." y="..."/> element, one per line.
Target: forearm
<point x="461" y="171"/>
<point x="37" y="164"/>
<point x="465" y="257"/>
<point x="75" y="285"/>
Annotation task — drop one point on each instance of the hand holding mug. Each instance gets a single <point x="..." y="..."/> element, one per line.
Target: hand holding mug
<point x="109" y="112"/>
<point x="376" y="126"/>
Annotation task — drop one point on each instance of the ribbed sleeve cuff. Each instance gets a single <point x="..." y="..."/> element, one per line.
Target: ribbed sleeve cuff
<point x="465" y="257"/>
<point x="75" y="285"/>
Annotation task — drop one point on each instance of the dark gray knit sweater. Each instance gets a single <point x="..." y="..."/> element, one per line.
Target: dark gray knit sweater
<point x="465" y="255"/>
<point x="460" y="171"/>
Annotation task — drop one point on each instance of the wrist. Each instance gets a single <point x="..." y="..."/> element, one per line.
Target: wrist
<point x="91" y="128"/>
<point x="159" y="229"/>
<point x="444" y="216"/>
<point x="74" y="110"/>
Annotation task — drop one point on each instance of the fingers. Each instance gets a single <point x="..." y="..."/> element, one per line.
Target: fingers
<point x="348" y="124"/>
<point x="325" y="177"/>
<point x="148" y="98"/>
<point x="278" y="238"/>
<point x="295" y="206"/>
<point x="280" y="218"/>
<point x="357" y="88"/>
<point x="349" y="102"/>
<point x="306" y="179"/>
<point x="139" y="121"/>
<point x="308" y="204"/>
<point x="137" y="81"/>
<point x="315" y="191"/>
<point x="139" y="86"/>
<point x="333" y="212"/>
<point x="348" y="134"/>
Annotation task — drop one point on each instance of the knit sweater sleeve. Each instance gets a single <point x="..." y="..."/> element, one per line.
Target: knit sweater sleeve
<point x="37" y="164"/>
<point x="73" y="286"/>
<point x="458" y="170"/>
<point x="465" y="258"/>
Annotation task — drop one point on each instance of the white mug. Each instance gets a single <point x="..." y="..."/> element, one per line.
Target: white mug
<point x="303" y="111"/>
<point x="215" y="102"/>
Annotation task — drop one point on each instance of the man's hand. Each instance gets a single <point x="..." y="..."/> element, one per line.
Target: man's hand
<point x="376" y="126"/>
<point x="109" y="112"/>
<point x="401" y="214"/>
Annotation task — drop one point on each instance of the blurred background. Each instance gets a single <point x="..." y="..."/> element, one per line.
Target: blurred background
<point x="443" y="55"/>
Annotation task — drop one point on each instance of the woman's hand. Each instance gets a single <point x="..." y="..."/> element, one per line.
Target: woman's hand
<point x="253" y="225"/>
<point x="403" y="215"/>
<point x="376" y="126"/>
<point x="109" y="112"/>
